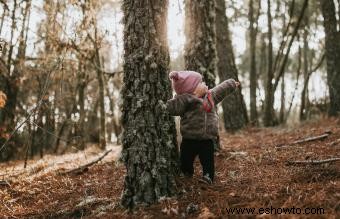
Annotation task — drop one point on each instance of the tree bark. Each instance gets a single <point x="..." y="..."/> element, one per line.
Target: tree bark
<point x="304" y="95"/>
<point x="200" y="47"/>
<point x="298" y="72"/>
<point x="149" y="141"/>
<point x="332" y="55"/>
<point x="269" y="116"/>
<point x="339" y="15"/>
<point x="81" y="102"/>
<point x="234" y="109"/>
<point x="11" y="46"/>
<point x="252" y="72"/>
<point x="283" y="106"/>
<point x="3" y="18"/>
<point x="100" y="77"/>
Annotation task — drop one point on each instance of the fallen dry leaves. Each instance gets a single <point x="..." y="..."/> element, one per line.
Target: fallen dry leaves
<point x="251" y="171"/>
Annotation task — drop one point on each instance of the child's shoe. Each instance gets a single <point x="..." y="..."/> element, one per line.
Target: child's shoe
<point x="206" y="179"/>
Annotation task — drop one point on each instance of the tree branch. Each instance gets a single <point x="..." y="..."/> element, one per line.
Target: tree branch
<point x="84" y="167"/>
<point x="312" y="162"/>
<point x="277" y="79"/>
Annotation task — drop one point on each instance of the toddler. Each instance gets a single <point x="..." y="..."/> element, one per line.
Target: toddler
<point x="196" y="105"/>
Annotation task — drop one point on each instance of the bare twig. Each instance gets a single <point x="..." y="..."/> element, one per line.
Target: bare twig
<point x="314" y="138"/>
<point x="4" y="183"/>
<point x="313" y="162"/>
<point x="84" y="167"/>
<point x="333" y="143"/>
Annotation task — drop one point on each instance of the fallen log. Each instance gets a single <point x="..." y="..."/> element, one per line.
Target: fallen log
<point x="82" y="168"/>
<point x="312" y="162"/>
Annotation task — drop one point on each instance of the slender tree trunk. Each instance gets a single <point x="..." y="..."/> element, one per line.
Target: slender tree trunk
<point x="282" y="67"/>
<point x="234" y="109"/>
<point x="100" y="77"/>
<point x="200" y="50"/>
<point x="3" y="19"/>
<point x="149" y="141"/>
<point x="252" y="72"/>
<point x="283" y="106"/>
<point x="296" y="83"/>
<point x="263" y="67"/>
<point x="11" y="46"/>
<point x="338" y="15"/>
<point x="305" y="77"/>
<point x="269" y="92"/>
<point x="81" y="102"/>
<point x="332" y="55"/>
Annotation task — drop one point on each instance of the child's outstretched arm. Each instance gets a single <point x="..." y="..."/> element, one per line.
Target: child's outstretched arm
<point x="180" y="104"/>
<point x="220" y="91"/>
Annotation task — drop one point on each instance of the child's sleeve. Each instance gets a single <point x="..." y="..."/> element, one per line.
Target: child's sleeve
<point x="179" y="105"/>
<point x="220" y="91"/>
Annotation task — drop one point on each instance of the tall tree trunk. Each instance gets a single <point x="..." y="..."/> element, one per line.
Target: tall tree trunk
<point x="298" y="72"/>
<point x="11" y="46"/>
<point x="81" y="102"/>
<point x="332" y="55"/>
<point x="200" y="50"/>
<point x="283" y="106"/>
<point x="100" y="77"/>
<point x="269" y="116"/>
<point x="3" y="18"/>
<point x="304" y="95"/>
<point x="252" y="72"/>
<point x="234" y="109"/>
<point x="339" y="15"/>
<point x="149" y="141"/>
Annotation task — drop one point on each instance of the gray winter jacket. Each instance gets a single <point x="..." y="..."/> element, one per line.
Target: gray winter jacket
<point x="196" y="123"/>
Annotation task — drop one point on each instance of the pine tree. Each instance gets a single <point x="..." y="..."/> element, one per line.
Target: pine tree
<point x="149" y="148"/>
<point x="200" y="48"/>
<point x="234" y="108"/>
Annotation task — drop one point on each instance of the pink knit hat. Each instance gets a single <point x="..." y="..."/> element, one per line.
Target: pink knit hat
<point x="185" y="81"/>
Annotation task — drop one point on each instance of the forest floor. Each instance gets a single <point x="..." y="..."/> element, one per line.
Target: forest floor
<point x="251" y="172"/>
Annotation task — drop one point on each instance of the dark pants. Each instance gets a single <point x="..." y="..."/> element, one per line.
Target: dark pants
<point x="190" y="148"/>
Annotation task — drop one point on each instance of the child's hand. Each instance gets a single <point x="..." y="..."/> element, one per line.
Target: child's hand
<point x="237" y="83"/>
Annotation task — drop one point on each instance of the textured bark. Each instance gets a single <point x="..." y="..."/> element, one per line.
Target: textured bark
<point x="149" y="141"/>
<point x="200" y="50"/>
<point x="332" y="55"/>
<point x="269" y="92"/>
<point x="234" y="109"/>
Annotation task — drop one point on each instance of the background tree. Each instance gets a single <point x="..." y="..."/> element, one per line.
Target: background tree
<point x="234" y="108"/>
<point x="253" y="29"/>
<point x="200" y="45"/>
<point x="332" y="55"/>
<point x="149" y="142"/>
